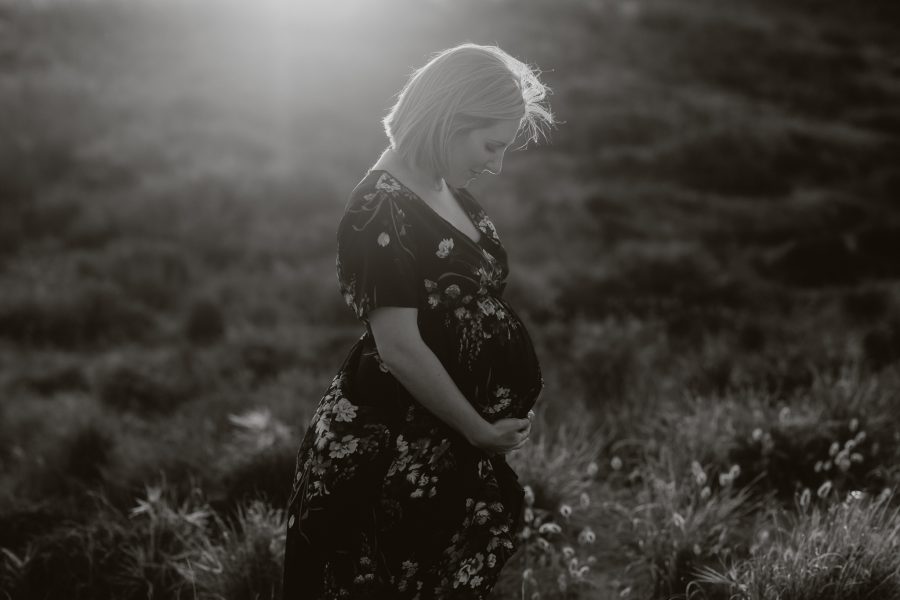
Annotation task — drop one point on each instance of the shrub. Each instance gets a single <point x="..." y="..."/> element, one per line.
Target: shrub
<point x="265" y="474"/>
<point x="881" y="346"/>
<point x="782" y="372"/>
<point x="75" y="560"/>
<point x="86" y="453"/>
<point x="155" y="276"/>
<point x="28" y="521"/>
<point x="205" y="323"/>
<point x="614" y="218"/>
<point x="557" y="539"/>
<point x="259" y="459"/>
<point x="143" y="390"/>
<point x="618" y="126"/>
<point x="713" y="371"/>
<point x="662" y="284"/>
<point x="558" y="551"/>
<point x="816" y="262"/>
<point x="90" y="315"/>
<point x="554" y="463"/>
<point x="752" y="336"/>
<point x="170" y="546"/>
<point x="48" y="381"/>
<point x="839" y="434"/>
<point x="245" y="561"/>
<point x="29" y="222"/>
<point x="718" y="368"/>
<point x="717" y="55"/>
<point x="847" y="551"/>
<point x="676" y="523"/>
<point x="262" y="359"/>
<point x="168" y="533"/>
<point x="607" y="358"/>
<point x="27" y="219"/>
<point x="866" y="305"/>
<point x="608" y="371"/>
<point x="728" y="162"/>
<point x="880" y="245"/>
<point x="78" y="462"/>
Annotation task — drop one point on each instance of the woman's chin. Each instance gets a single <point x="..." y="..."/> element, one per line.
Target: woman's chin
<point x="465" y="181"/>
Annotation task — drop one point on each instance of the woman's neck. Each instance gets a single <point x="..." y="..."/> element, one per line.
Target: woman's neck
<point x="411" y="175"/>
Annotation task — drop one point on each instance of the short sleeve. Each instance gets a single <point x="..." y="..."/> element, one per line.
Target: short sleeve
<point x="376" y="262"/>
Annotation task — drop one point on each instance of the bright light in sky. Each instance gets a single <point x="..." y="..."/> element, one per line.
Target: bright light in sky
<point x="275" y="55"/>
<point x="290" y="76"/>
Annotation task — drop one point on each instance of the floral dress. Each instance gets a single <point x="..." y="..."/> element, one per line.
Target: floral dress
<point x="388" y="501"/>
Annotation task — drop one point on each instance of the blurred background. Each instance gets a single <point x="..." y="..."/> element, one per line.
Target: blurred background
<point x="717" y="214"/>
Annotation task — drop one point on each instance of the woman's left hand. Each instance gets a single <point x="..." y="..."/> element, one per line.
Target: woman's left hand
<point x="526" y="431"/>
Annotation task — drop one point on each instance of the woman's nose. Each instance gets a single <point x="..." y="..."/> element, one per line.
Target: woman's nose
<point x="495" y="166"/>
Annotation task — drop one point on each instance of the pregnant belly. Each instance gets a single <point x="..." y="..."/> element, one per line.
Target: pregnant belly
<point x="511" y="372"/>
<point x="489" y="354"/>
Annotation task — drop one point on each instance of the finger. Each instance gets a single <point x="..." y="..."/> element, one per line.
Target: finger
<point x="530" y="415"/>
<point x="519" y="445"/>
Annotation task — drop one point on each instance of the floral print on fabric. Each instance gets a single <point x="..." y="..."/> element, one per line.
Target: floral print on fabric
<point x="387" y="500"/>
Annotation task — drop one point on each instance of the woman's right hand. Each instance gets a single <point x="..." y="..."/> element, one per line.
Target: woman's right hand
<point x="504" y="435"/>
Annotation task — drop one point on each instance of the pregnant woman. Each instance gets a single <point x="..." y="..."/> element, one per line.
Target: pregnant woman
<point x="401" y="487"/>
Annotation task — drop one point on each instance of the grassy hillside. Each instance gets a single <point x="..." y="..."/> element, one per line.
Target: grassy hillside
<point x="706" y="253"/>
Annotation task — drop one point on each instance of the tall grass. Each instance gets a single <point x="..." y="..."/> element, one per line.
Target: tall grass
<point x="167" y="546"/>
<point x="244" y="561"/>
<point x="713" y="232"/>
<point x="849" y="550"/>
<point x="559" y="544"/>
<point x="673" y="523"/>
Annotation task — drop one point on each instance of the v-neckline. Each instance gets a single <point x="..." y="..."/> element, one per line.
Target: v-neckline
<point x="465" y="209"/>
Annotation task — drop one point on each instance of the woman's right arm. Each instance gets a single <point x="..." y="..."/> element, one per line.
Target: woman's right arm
<point x="419" y="370"/>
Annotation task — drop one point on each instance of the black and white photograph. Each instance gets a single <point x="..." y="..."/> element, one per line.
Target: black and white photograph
<point x="449" y="300"/>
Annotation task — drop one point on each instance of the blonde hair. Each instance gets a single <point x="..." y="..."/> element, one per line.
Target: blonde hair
<point x="463" y="88"/>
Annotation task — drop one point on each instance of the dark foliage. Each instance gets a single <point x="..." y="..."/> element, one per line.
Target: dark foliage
<point x="157" y="278"/>
<point x="29" y="222"/>
<point x="132" y="389"/>
<point x="866" y="305"/>
<point x="607" y="373"/>
<point x="90" y="316"/>
<point x="713" y="377"/>
<point x="22" y="524"/>
<point x="77" y="563"/>
<point x="818" y="262"/>
<point x="787" y="463"/>
<point x="752" y="337"/>
<point x="880" y="245"/>
<point x="86" y="453"/>
<point x="882" y="344"/>
<point x="787" y="375"/>
<point x="265" y="474"/>
<point x="205" y="323"/>
<point x="263" y="359"/>
<point x="655" y="286"/>
<point x="51" y="381"/>
<point x="77" y="464"/>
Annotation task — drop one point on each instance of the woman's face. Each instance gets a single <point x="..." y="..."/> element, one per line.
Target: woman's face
<point x="477" y="150"/>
